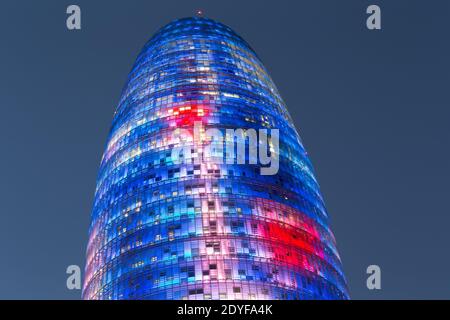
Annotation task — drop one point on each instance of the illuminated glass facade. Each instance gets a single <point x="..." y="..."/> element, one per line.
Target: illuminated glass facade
<point x="161" y="229"/>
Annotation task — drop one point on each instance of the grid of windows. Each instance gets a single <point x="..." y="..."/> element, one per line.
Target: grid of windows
<point x="161" y="229"/>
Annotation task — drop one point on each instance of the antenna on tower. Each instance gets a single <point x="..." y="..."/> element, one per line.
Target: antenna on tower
<point x="199" y="13"/>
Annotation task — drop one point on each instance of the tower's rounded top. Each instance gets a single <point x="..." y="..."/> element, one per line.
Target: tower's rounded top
<point x="196" y="26"/>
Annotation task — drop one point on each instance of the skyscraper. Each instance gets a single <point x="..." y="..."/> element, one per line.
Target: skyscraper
<point x="186" y="225"/>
